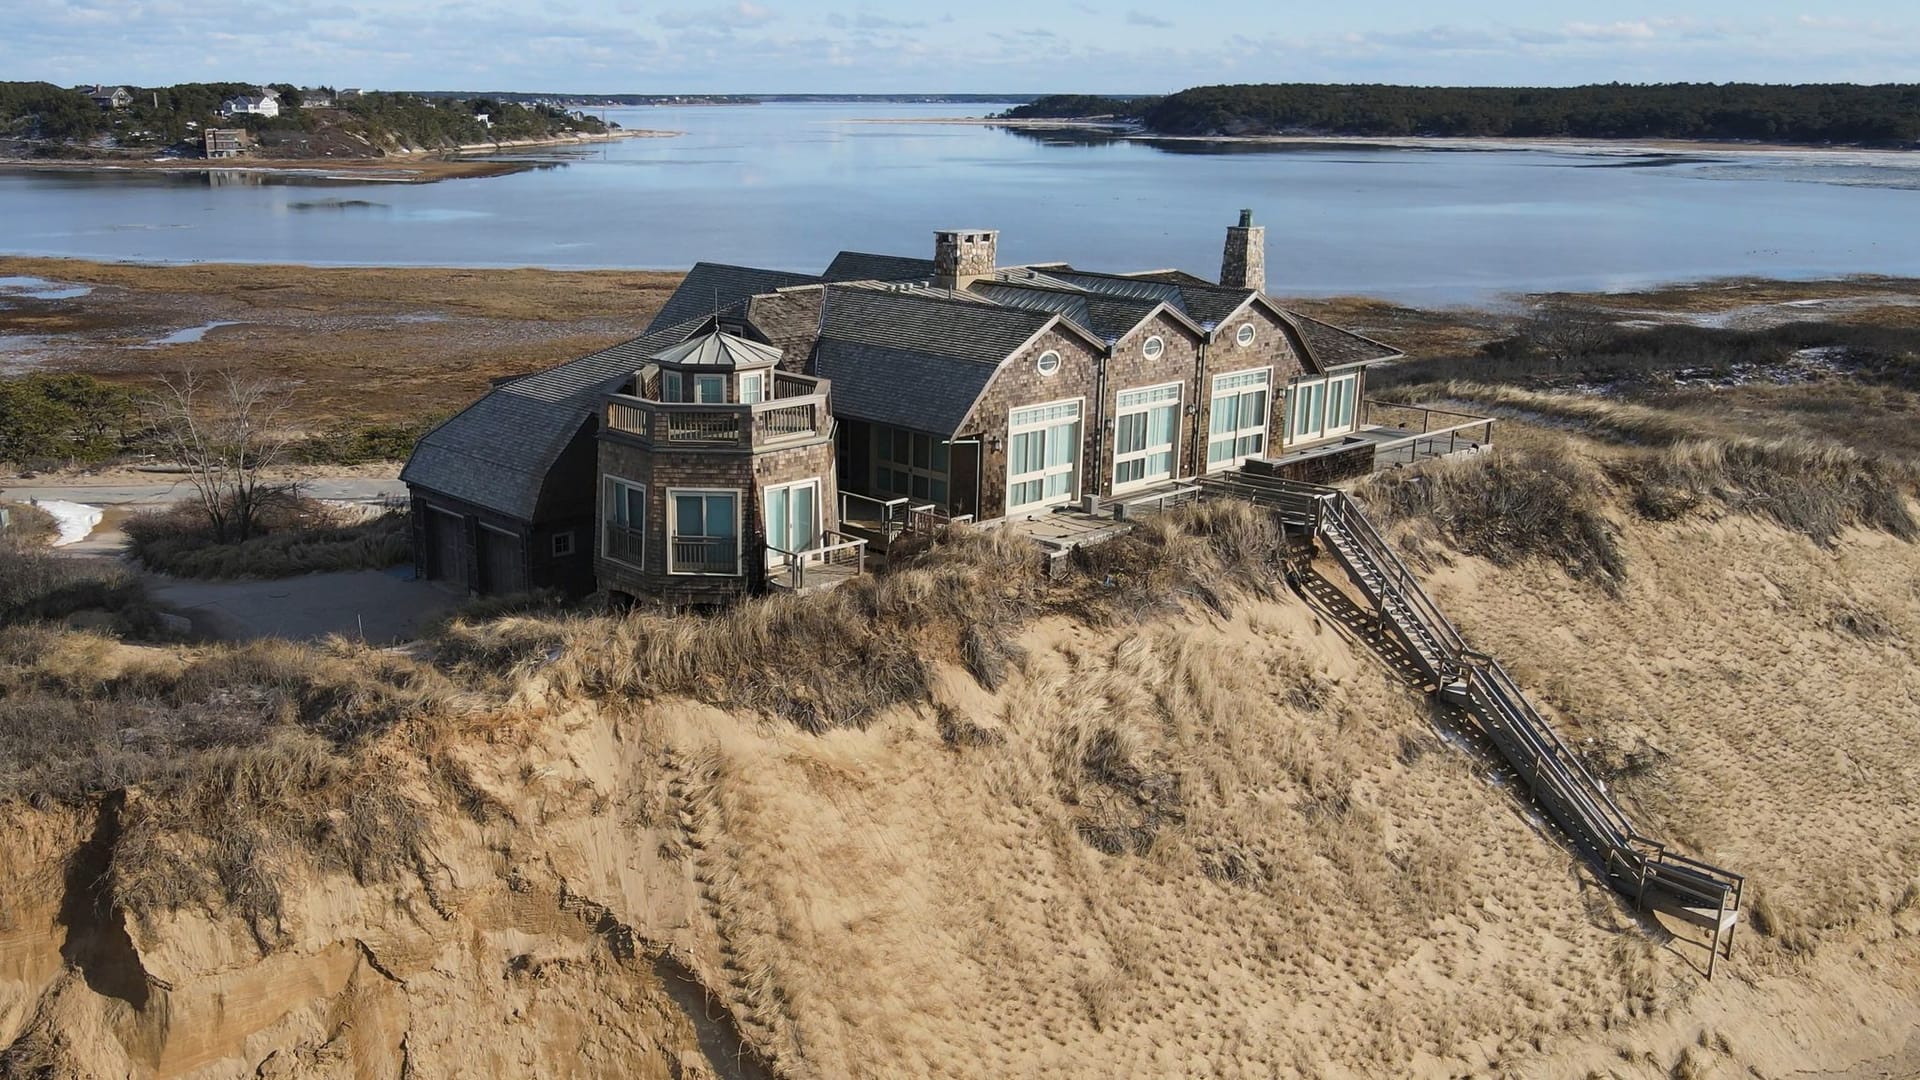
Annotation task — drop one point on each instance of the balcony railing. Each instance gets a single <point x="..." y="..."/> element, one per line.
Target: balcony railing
<point x="624" y="545"/>
<point x="705" y="555"/>
<point x="746" y="427"/>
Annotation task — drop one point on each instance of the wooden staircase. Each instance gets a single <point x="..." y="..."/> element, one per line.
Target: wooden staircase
<point x="1578" y="803"/>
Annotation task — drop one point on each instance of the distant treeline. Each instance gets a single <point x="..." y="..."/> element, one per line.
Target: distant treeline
<point x="174" y="115"/>
<point x="1886" y="115"/>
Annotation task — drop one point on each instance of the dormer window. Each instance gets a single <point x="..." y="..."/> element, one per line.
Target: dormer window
<point x="1153" y="347"/>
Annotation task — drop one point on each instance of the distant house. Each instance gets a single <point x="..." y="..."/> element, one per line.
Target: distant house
<point x="768" y="422"/>
<point x="248" y="105"/>
<point x="315" y="97"/>
<point x="351" y="93"/>
<point x="111" y="97"/>
<point x="225" y="142"/>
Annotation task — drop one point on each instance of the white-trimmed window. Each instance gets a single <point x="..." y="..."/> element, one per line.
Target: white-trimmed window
<point x="793" y="518"/>
<point x="623" y="516"/>
<point x="910" y="464"/>
<point x="703" y="532"/>
<point x="753" y="387"/>
<point x="710" y="389"/>
<point x="670" y="389"/>
<point x="1237" y="424"/>
<point x="1145" y="426"/>
<point x="1043" y="455"/>
<point x="1153" y="347"/>
<point x="1245" y="335"/>
<point x="1048" y="363"/>
<point x="1322" y="408"/>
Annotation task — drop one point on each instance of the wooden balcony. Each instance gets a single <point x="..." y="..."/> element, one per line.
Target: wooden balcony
<point x="683" y="425"/>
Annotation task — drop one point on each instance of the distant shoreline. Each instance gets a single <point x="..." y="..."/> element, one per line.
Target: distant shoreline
<point x="1131" y="133"/>
<point x="400" y="167"/>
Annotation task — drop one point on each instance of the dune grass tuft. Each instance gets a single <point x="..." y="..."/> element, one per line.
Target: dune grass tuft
<point x="837" y="658"/>
<point x="1509" y="506"/>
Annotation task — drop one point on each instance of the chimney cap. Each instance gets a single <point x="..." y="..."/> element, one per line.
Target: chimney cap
<point x="1246" y="219"/>
<point x="966" y="232"/>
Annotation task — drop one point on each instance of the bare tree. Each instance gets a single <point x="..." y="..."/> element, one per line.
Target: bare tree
<point x="226" y="429"/>
<point x="1567" y="331"/>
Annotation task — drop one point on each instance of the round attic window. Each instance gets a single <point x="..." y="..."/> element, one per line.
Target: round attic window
<point x="1154" y="347"/>
<point x="1048" y="363"/>
<point x="1244" y="335"/>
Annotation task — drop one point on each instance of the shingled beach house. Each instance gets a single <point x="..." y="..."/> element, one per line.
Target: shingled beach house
<point x="769" y="424"/>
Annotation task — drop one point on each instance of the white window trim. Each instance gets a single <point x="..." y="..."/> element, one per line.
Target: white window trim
<point x="760" y="378"/>
<point x="1079" y="451"/>
<point x="1322" y="431"/>
<point x="1040" y="362"/>
<point x="1245" y="330"/>
<point x="673" y="529"/>
<point x="1265" y="430"/>
<point x="1120" y="411"/>
<point x="608" y="523"/>
<point x="700" y="378"/>
<point x="766" y="501"/>
<point x="670" y="387"/>
<point x="1154" y="347"/>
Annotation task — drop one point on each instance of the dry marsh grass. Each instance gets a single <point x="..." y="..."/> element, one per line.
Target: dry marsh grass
<point x="31" y="527"/>
<point x="837" y="658"/>
<point x="1508" y="506"/>
<point x="243" y="762"/>
<point x="302" y="537"/>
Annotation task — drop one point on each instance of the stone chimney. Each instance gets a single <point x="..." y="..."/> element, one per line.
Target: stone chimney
<point x="1244" y="264"/>
<point x="963" y="256"/>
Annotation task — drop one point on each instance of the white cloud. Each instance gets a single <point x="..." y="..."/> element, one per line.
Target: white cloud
<point x="742" y="15"/>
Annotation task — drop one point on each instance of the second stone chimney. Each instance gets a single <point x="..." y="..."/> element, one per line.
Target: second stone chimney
<point x="963" y="256"/>
<point x="1244" y="263"/>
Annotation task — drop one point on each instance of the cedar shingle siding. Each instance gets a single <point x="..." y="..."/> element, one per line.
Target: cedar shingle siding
<point x="527" y="461"/>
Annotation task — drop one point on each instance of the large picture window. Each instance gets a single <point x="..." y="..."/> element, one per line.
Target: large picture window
<point x="1322" y="408"/>
<point x="623" y="513"/>
<point x="705" y="532"/>
<point x="1237" y="428"/>
<point x="1043" y="455"/>
<point x="1144" y="429"/>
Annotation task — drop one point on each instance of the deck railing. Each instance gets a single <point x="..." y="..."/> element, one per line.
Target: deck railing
<point x="705" y="555"/>
<point x="624" y="545"/>
<point x="1442" y="431"/>
<point x="838" y="554"/>
<point x="691" y="425"/>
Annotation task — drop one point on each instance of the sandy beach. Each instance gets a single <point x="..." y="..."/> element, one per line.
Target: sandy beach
<point x="400" y="167"/>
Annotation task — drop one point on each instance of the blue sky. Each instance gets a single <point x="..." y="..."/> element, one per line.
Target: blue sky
<point x="982" y="45"/>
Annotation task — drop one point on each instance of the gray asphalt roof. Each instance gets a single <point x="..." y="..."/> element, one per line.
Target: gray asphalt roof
<point x="497" y="451"/>
<point x="902" y="387"/>
<point x="961" y="329"/>
<point x="711" y="287"/>
<point x="1333" y="346"/>
<point x="865" y="266"/>
<point x="915" y="361"/>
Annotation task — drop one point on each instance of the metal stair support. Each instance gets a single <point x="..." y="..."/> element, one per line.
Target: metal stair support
<point x="1578" y="803"/>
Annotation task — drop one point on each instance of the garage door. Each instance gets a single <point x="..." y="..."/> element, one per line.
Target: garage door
<point x="502" y="570"/>
<point x="446" y="547"/>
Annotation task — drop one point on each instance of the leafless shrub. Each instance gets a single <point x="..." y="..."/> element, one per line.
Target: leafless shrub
<point x="228" y="430"/>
